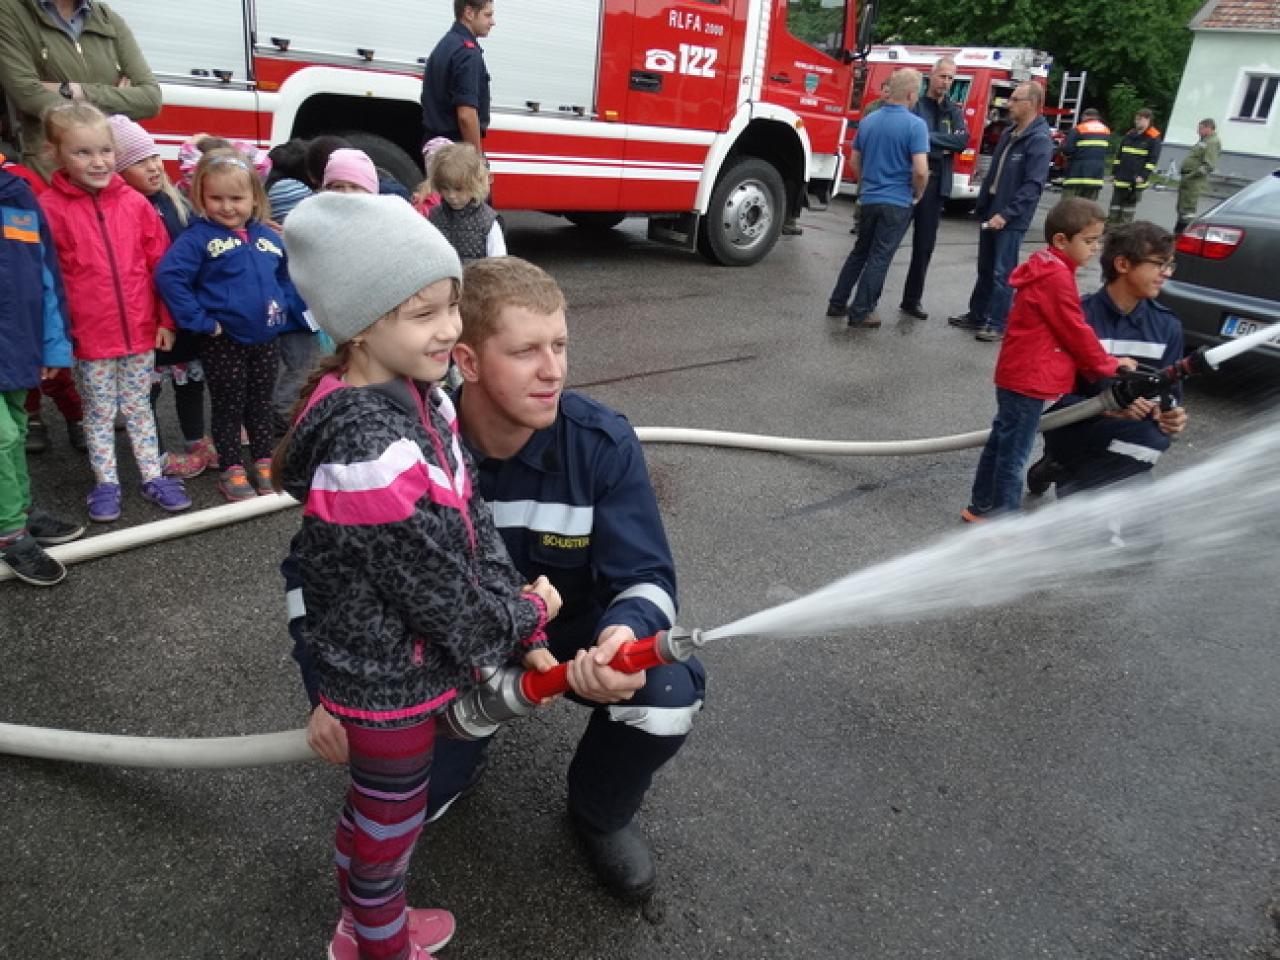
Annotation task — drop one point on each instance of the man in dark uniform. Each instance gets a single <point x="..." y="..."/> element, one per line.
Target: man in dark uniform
<point x="1135" y="164"/>
<point x="947" y="135"/>
<point x="1136" y="260"/>
<point x="1086" y="153"/>
<point x="571" y="497"/>
<point x="455" y="83"/>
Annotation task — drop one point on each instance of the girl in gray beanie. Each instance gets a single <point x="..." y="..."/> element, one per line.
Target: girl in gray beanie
<point x="407" y="586"/>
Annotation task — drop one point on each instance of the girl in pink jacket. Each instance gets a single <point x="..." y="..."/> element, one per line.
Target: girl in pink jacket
<point x="109" y="240"/>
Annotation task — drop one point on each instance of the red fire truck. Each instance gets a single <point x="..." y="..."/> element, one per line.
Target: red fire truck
<point x="710" y="117"/>
<point x="985" y="76"/>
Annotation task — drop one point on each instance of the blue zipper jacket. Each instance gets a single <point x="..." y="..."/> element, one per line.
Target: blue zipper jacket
<point x="212" y="276"/>
<point x="1022" y="165"/>
<point x="33" y="303"/>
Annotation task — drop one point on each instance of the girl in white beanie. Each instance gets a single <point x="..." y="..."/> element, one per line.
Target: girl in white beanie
<point x="407" y="586"/>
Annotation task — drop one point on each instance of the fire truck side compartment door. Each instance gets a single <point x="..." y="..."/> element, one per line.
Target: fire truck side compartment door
<point x="542" y="52"/>
<point x="178" y="38"/>
<point x="685" y="47"/>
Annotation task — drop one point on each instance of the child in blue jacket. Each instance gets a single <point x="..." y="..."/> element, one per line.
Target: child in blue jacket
<point x="227" y="278"/>
<point x="33" y="346"/>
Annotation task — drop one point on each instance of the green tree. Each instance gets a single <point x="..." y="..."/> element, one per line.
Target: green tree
<point x="1143" y="43"/>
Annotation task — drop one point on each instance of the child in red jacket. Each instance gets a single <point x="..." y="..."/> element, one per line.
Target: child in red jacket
<point x="1047" y="343"/>
<point x="109" y="240"/>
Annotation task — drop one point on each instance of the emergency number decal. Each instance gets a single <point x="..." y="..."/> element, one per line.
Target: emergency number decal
<point x="693" y="60"/>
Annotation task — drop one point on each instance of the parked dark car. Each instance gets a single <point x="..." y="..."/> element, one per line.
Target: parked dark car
<point x="1228" y="278"/>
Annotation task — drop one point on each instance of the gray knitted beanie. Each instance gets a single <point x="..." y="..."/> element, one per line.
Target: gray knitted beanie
<point x="355" y="257"/>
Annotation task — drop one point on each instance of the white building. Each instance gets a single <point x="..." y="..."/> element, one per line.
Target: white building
<point x="1232" y="76"/>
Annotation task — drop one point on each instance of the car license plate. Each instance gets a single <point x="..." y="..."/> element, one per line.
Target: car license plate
<point x="1233" y="326"/>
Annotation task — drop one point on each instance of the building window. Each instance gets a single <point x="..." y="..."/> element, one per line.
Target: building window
<point x="1259" y="97"/>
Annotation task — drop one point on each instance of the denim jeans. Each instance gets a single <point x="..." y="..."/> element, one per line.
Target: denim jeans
<point x="880" y="231"/>
<point x="997" y="487"/>
<point x="992" y="295"/>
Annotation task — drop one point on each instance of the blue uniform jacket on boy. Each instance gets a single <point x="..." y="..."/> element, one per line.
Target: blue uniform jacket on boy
<point x="32" y="300"/>
<point x="211" y="276"/>
<point x="576" y="504"/>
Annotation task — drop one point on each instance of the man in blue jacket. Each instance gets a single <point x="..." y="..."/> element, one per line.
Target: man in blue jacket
<point x="571" y="496"/>
<point x="33" y="346"/>
<point x="1006" y="203"/>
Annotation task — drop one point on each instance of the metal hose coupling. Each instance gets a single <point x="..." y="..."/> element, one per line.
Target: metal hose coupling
<point x="1150" y="383"/>
<point x="505" y="693"/>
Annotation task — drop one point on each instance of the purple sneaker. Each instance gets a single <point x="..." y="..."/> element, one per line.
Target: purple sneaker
<point x="167" y="493"/>
<point x="104" y="502"/>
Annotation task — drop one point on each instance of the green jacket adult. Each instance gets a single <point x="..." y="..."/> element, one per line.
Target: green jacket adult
<point x="34" y="48"/>
<point x="1202" y="159"/>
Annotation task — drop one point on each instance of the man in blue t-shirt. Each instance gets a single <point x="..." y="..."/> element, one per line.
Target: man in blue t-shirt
<point x="455" y="83"/>
<point x="890" y="159"/>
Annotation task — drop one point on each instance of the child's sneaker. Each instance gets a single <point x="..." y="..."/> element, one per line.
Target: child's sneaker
<point x="49" y="531"/>
<point x="104" y="503"/>
<point x="31" y="564"/>
<point x="184" y="466"/>
<point x="234" y="484"/>
<point x="429" y="929"/>
<point x="37" y="436"/>
<point x="970" y="514"/>
<point x="205" y="448"/>
<point x="166" y="493"/>
<point x="262" y="477"/>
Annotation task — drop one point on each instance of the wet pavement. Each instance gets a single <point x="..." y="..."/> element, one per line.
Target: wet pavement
<point x="1072" y="776"/>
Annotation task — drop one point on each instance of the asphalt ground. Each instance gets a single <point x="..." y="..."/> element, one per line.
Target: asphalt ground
<point x="1068" y="776"/>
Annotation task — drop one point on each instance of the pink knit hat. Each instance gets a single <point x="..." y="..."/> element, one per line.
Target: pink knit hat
<point x="132" y="142"/>
<point x="353" y="166"/>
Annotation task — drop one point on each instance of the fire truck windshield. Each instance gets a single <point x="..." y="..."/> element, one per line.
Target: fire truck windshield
<point x="819" y="23"/>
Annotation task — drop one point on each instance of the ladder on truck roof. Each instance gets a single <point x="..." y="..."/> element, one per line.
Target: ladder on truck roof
<point x="1070" y="99"/>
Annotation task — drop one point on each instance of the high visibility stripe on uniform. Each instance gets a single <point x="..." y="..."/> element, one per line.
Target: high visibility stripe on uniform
<point x="1093" y="143"/>
<point x="1134" y="450"/>
<point x="1134" y="348"/>
<point x="655" y="595"/>
<point x="562" y="518"/>
<point x="659" y="721"/>
<point x="1082" y="182"/>
<point x="1140" y="151"/>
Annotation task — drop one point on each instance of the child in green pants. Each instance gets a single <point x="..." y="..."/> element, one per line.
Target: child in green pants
<point x="33" y="344"/>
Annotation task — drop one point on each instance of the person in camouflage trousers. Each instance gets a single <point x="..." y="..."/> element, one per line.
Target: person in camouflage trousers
<point x="1196" y="167"/>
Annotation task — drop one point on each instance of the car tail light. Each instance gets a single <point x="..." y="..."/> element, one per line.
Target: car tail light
<point x="1210" y="242"/>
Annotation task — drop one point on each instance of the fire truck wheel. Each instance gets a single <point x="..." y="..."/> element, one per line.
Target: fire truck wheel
<point x="745" y="215"/>
<point x="387" y="156"/>
<point x="595" y="219"/>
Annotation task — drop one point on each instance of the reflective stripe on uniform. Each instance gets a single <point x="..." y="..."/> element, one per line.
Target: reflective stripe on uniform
<point x="294" y="603"/>
<point x="1133" y="450"/>
<point x="1134" y="348"/>
<point x="655" y="595"/>
<point x="562" y="518"/>
<point x="1093" y="143"/>
<point x="1140" y="151"/>
<point x="1082" y="182"/>
<point x="659" y="721"/>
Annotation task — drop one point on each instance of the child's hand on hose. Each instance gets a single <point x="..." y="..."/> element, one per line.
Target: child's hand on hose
<point x="550" y="595"/>
<point x="540" y="661"/>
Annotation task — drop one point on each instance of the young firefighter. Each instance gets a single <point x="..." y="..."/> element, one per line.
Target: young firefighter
<point x="571" y="496"/>
<point x="1046" y="344"/>
<point x="1135" y="163"/>
<point x="1136" y="260"/>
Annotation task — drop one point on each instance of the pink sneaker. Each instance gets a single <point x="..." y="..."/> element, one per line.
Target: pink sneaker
<point x="429" y="929"/>
<point x="184" y="466"/>
<point x="205" y="448"/>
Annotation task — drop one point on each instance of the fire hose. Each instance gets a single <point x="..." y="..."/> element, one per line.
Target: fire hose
<point x="505" y="694"/>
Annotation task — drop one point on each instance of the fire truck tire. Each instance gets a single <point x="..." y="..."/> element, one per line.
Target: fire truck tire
<point x="386" y="155"/>
<point x="595" y="219"/>
<point x="745" y="216"/>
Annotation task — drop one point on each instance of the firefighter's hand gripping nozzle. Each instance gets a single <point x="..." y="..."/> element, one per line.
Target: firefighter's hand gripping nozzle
<point x="505" y="693"/>
<point x="1150" y="383"/>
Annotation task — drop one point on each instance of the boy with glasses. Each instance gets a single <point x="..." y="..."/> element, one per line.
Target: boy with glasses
<point x="1137" y="258"/>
